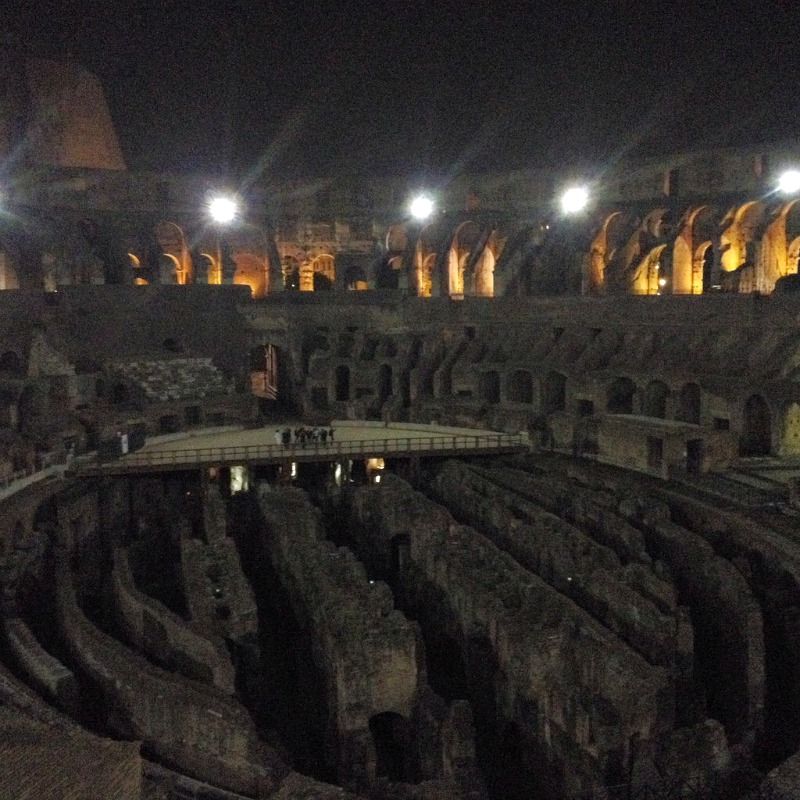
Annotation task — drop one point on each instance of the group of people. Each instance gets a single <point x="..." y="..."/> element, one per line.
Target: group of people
<point x="302" y="435"/>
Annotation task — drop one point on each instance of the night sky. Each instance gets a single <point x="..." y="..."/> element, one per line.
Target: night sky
<point x="390" y="86"/>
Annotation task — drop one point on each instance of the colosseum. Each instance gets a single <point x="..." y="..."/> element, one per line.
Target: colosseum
<point x="328" y="501"/>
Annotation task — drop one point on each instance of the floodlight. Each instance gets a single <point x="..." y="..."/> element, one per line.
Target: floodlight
<point x="223" y="209"/>
<point x="574" y="200"/>
<point x="789" y="182"/>
<point x="421" y="207"/>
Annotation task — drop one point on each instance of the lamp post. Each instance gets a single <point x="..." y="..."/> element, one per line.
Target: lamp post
<point x="223" y="210"/>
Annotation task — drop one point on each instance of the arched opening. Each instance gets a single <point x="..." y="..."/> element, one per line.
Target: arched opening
<point x="172" y="244"/>
<point x="650" y="277"/>
<point x="489" y="387"/>
<point x="264" y="372"/>
<point x="384" y="383"/>
<point x="355" y="279"/>
<point x="790" y="440"/>
<point x="290" y="267"/>
<point x="619" y="399"/>
<point x="520" y="387"/>
<point x="11" y="364"/>
<point x="600" y="251"/>
<point x="457" y="257"/>
<point x="756" y="428"/>
<point x="554" y="392"/>
<point x="323" y="272"/>
<point x="655" y="400"/>
<point x="689" y="399"/>
<point x="738" y="238"/>
<point x="252" y="271"/>
<point x="391" y="735"/>
<point x="342" y="379"/>
<point x="321" y="283"/>
<point x="424" y="264"/>
<point x="136" y="270"/>
<point x="483" y="272"/>
<point x="168" y="269"/>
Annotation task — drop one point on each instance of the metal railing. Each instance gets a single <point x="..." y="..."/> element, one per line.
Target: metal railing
<point x="327" y="451"/>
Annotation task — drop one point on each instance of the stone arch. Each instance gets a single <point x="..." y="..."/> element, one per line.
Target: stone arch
<point x="648" y="277"/>
<point x="738" y="238"/>
<point x="554" y="392"/>
<point x="656" y="395"/>
<point x="600" y="252"/>
<point x="489" y="386"/>
<point x="424" y="262"/>
<point x="658" y="223"/>
<point x="483" y="271"/>
<point x="253" y="271"/>
<point x="322" y="265"/>
<point x="689" y="404"/>
<point x="756" y="439"/>
<point x="12" y="364"/>
<point x="774" y="261"/>
<point x="172" y="243"/>
<point x="392" y="739"/>
<point x="169" y="269"/>
<point x="397" y="238"/>
<point x="689" y="272"/>
<point x="136" y="270"/>
<point x="703" y="267"/>
<point x="620" y="396"/>
<point x="342" y="382"/>
<point x="465" y="238"/>
<point x="790" y="430"/>
<point x="519" y="387"/>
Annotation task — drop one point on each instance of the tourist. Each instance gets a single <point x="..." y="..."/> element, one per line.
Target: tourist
<point x="277" y="436"/>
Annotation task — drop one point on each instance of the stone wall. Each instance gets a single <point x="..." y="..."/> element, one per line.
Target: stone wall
<point x="218" y="595"/>
<point x="579" y="697"/>
<point x="164" y="636"/>
<point x="369" y="654"/>
<point x="204" y="733"/>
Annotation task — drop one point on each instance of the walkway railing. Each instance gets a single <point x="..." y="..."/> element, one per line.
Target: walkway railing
<point x="441" y="444"/>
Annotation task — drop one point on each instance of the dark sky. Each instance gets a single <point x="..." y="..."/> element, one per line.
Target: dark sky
<point x="407" y="86"/>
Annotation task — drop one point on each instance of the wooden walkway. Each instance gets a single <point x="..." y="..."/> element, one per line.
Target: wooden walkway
<point x="394" y="443"/>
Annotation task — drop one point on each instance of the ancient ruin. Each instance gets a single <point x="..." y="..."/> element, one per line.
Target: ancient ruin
<point x="603" y="604"/>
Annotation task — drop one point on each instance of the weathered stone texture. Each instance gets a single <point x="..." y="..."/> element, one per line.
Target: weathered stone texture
<point x="572" y="563"/>
<point x="45" y="754"/>
<point x="576" y="692"/>
<point x="204" y="733"/>
<point x="218" y="595"/>
<point x="154" y="630"/>
<point x="366" y="649"/>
